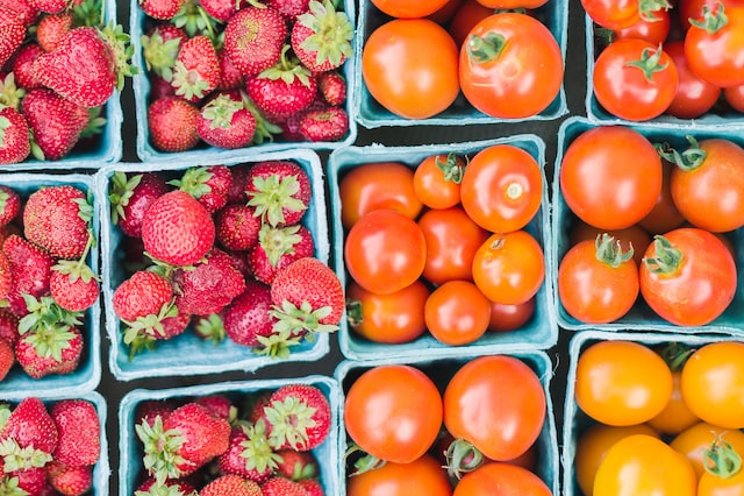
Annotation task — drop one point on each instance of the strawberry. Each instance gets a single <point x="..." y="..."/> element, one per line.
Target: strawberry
<point x="7" y="358"/>
<point x="210" y="328"/>
<point x="249" y="454"/>
<point x="312" y="487"/>
<point x="240" y="262"/>
<point x="241" y="175"/>
<point x="56" y="123"/>
<point x="52" y="29"/>
<point x="290" y="8"/>
<point x="222" y="10"/>
<point x="12" y="32"/>
<point x="160" y="88"/>
<point x="231" y="485"/>
<point x="130" y="198"/>
<point x="169" y="488"/>
<point x="56" y="218"/>
<point x="193" y="19"/>
<point x="279" y="486"/>
<point x="332" y="87"/>
<point x="14" y="143"/>
<point x="254" y="38"/>
<point x="73" y="286"/>
<point x="297" y="465"/>
<point x="8" y="327"/>
<point x="30" y="426"/>
<point x="299" y="417"/>
<point x="247" y="319"/>
<point x="280" y="192"/>
<point x="210" y="286"/>
<point x="79" y="433"/>
<point x="329" y="124"/>
<point x="6" y="277"/>
<point x="23" y="66"/>
<point x="50" y="6"/>
<point x="220" y="406"/>
<point x="187" y="440"/>
<point x="148" y="410"/>
<point x="277" y="248"/>
<point x="32" y="481"/>
<point x="209" y="185"/>
<point x="230" y="77"/>
<point x="172" y="124"/>
<point x="70" y="481"/>
<point x="49" y="350"/>
<point x="226" y="123"/>
<point x="177" y="229"/>
<point x="197" y="70"/>
<point x="10" y="205"/>
<point x="255" y="407"/>
<point x="321" y="38"/>
<point x="160" y="48"/>
<point x="161" y="9"/>
<point x="173" y="326"/>
<point x="23" y="10"/>
<point x="237" y="228"/>
<point x="31" y="269"/>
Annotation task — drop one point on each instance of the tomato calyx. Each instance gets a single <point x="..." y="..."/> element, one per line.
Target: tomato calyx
<point x="648" y="8"/>
<point x="650" y="63"/>
<point x="610" y="251"/>
<point x="483" y="49"/>
<point x="451" y="168"/>
<point x="688" y="160"/>
<point x="713" y="20"/>
<point x="364" y="461"/>
<point x="676" y="355"/>
<point x="354" y="312"/>
<point x="722" y="460"/>
<point x="462" y="458"/>
<point x="667" y="260"/>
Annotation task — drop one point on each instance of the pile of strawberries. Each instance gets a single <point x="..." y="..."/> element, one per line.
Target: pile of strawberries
<point x="236" y="73"/>
<point x="45" y="282"/>
<point x="262" y="448"/>
<point x="48" y="452"/>
<point x="47" y="103"/>
<point x="222" y="248"/>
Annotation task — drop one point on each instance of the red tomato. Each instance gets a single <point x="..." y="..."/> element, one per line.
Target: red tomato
<point x="693" y="9"/>
<point x="665" y="216"/>
<point x="385" y="252"/>
<point x="611" y="177"/>
<point x="469" y="15"/>
<point x="457" y="313"/>
<point x="424" y="476"/>
<point x="400" y="79"/>
<point x="504" y="478"/>
<point x="513" y="4"/>
<point x="735" y="97"/>
<point x="620" y="14"/>
<point x="715" y="55"/>
<point x="505" y="318"/>
<point x="511" y="67"/>
<point x="452" y="240"/>
<point x="654" y="32"/>
<point x="689" y="277"/>
<point x="633" y="236"/>
<point x="502" y="188"/>
<point x="694" y="96"/>
<point x="394" y="413"/>
<point x="497" y="404"/>
<point x="407" y="9"/>
<point x="444" y="14"/>
<point x="437" y="180"/>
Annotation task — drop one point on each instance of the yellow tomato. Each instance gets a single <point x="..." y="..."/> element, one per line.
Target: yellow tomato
<point x="724" y="475"/>
<point x="676" y="416"/>
<point x="694" y="441"/>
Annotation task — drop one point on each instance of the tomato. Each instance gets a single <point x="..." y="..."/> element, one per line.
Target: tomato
<point x="598" y="281"/>
<point x="505" y="318"/>
<point x="407" y="9"/>
<point x="400" y="79"/>
<point x="513" y="4"/>
<point x="509" y="268"/>
<point x="694" y="96"/>
<point x="622" y="383"/>
<point x="676" y="416"/>
<point x="511" y="67"/>
<point x="423" y="476"/>
<point x="632" y="236"/>
<point x="393" y="319"/>
<point x="724" y="477"/>
<point x="620" y="14"/>
<point x="501" y="477"/>
<point x="693" y="9"/>
<point x="654" y="32"/>
<point x="393" y="413"/>
<point x="665" y="216"/>
<point x="437" y="181"/>
<point x="735" y="97"/>
<point x="611" y="177"/>
<point x="380" y="186"/>
<point x="713" y="384"/>
<point x="693" y="442"/>
<point x="716" y="55"/>
<point x="593" y="446"/>
<point x="467" y="17"/>
<point x="446" y="12"/>
<point x="502" y="188"/>
<point x="385" y="252"/>
<point x="497" y="404"/>
<point x="688" y="277"/>
<point x="644" y="465"/>
<point x="457" y="313"/>
<point x="452" y="240"/>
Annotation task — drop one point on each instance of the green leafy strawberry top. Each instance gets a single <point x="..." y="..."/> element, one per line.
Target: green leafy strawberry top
<point x="162" y="459"/>
<point x="120" y="192"/>
<point x="287" y="70"/>
<point x="258" y="452"/>
<point x="278" y="242"/>
<point x="118" y="42"/>
<point x="290" y="420"/>
<point x="160" y="55"/>
<point x="45" y="315"/>
<point x="220" y="111"/>
<point x="9" y="487"/>
<point x="211" y="328"/>
<point x="10" y="94"/>
<point x="272" y="195"/>
<point x="17" y="458"/>
<point x="194" y="181"/>
<point x="332" y="30"/>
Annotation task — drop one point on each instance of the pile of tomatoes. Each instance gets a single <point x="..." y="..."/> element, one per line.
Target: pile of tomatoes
<point x="668" y="420"/>
<point x="442" y="247"/>
<point x="493" y="411"/>
<point x="624" y="190"/>
<point x="662" y="58"/>
<point x="508" y="65"/>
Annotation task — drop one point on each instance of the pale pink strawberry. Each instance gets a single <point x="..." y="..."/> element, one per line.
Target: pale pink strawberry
<point x="50" y="6"/>
<point x="321" y="38"/>
<point x="249" y="454"/>
<point x="57" y="219"/>
<point x="160" y="48"/>
<point x="46" y="351"/>
<point x="222" y="10"/>
<point x="299" y="417"/>
<point x="329" y="124"/>
<point x="237" y="228"/>
<point x="130" y="198"/>
<point x="210" y="286"/>
<point x="12" y="32"/>
<point x="280" y="192"/>
<point x="312" y="487"/>
<point x="31" y="269"/>
<point x="172" y="124"/>
<point x="70" y="481"/>
<point x="161" y="9"/>
<point x="56" y="123"/>
<point x="23" y="66"/>
<point x="79" y="433"/>
<point x="290" y="8"/>
<point x="14" y="143"/>
<point x="247" y="319"/>
<point x="254" y="39"/>
<point x="8" y="327"/>
<point x="277" y="248"/>
<point x="52" y="29"/>
<point x="208" y="185"/>
<point x="230" y="77"/>
<point x="279" y="486"/>
<point x="196" y="72"/>
<point x="225" y="122"/>
<point x="7" y="358"/>
<point x="24" y="10"/>
<point x="332" y="86"/>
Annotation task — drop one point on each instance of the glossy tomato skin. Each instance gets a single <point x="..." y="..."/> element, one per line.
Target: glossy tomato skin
<point x="433" y="187"/>
<point x="509" y="479"/>
<point x="595" y="167"/>
<point x="505" y="318"/>
<point x="379" y="186"/>
<point x="654" y="32"/>
<point x="676" y="416"/>
<point x="664" y="217"/>
<point x="693" y="442"/>
<point x="693" y="9"/>
<point x="695" y="96"/>
<point x="400" y="79"/>
<point x="496" y="403"/>
<point x="502" y="188"/>
<point x="393" y="413"/>
<point x="452" y="240"/>
<point x="457" y="313"/>
<point x="700" y="289"/>
<point x="632" y="236"/>
<point x="622" y="383"/>
<point x="520" y="80"/>
<point x="406" y="9"/>
<point x="391" y="319"/>
<point x="735" y="97"/>
<point x="612" y="14"/>
<point x="467" y="17"/>
<point x="714" y="485"/>
<point x="385" y="252"/>
<point x="717" y="57"/>
<point x="423" y="476"/>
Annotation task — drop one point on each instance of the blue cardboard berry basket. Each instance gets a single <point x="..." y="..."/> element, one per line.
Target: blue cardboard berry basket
<point x="138" y="23"/>
<point x="640" y="317"/>
<point x="441" y="370"/>
<point x="540" y="333"/>
<point x="188" y="354"/>
<point x="370" y="114"/>
<point x="131" y="470"/>
<point x="18" y="385"/>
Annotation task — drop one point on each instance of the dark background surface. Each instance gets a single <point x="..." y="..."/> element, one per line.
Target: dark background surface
<point x="575" y="86"/>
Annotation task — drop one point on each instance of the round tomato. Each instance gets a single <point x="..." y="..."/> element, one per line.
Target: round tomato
<point x="497" y="404"/>
<point x="513" y="4"/>
<point x="713" y="384"/>
<point x="665" y="216"/>
<point x="611" y="177"/>
<point x="505" y="318"/>
<point x="457" y="313"/>
<point x="437" y="181"/>
<point x="394" y="413"/>
<point x="694" y="96"/>
<point x="676" y="416"/>
<point x="688" y="277"/>
<point x="714" y="48"/>
<point x="694" y="9"/>
<point x="380" y="186"/>
<point x="392" y="319"/>
<point x="630" y="237"/>
<point x="652" y="31"/>
<point x="423" y="476"/>
<point x="467" y="17"/>
<point x="502" y="188"/>
<point x="445" y="13"/>
<point x="644" y="465"/>
<point x="452" y="240"/>
<point x="622" y="383"/>
<point x="723" y="475"/>
<point x="509" y="268"/>
<point x="503" y="477"/>
<point x="400" y="79"/>
<point x="735" y="97"/>
<point x="598" y="281"/>
<point x="385" y="252"/>
<point x="407" y="9"/>
<point x="693" y="442"/>
<point x="511" y="67"/>
<point x="621" y="14"/>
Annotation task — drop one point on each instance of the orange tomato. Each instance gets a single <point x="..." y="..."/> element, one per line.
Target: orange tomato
<point x="437" y="181"/>
<point x="423" y="476"/>
<point x="457" y="313"/>
<point x="467" y="17"/>
<point x="505" y="318"/>
<point x="513" y="4"/>
<point x="502" y="477"/>
<point x="665" y="216"/>
<point x="407" y="9"/>
<point x="694" y="441"/>
<point x="676" y="416"/>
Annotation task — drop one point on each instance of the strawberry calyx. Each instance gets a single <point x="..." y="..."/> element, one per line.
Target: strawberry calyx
<point x="88" y="13"/>
<point x="16" y="458"/>
<point x="364" y="462"/>
<point x="304" y="319"/>
<point x="332" y="33"/>
<point x="189" y="84"/>
<point x="121" y="191"/>
<point x="139" y="333"/>
<point x="160" y="55"/>
<point x="272" y="195"/>
<point x="290" y="419"/>
<point x="78" y="269"/>
<point x="287" y="70"/>
<point x="278" y="344"/>
<point x="164" y="490"/>
<point x="278" y="241"/>
<point x="193" y="19"/>
<point x="5" y="412"/>
<point x="50" y="342"/>
<point x="258" y="452"/>
<point x="4" y="124"/>
<point x="462" y="458"/>
<point x="211" y="328"/>
<point x="4" y="195"/>
<point x="95" y="123"/>
<point x="162" y="458"/>
<point x="122" y="52"/>
<point x="265" y="130"/>
<point x="45" y="315"/>
<point x="220" y="111"/>
<point x="10" y="94"/>
<point x="194" y="181"/>
<point x="9" y="486"/>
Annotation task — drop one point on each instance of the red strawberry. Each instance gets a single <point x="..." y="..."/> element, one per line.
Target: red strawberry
<point x="210" y="286"/>
<point x="56" y="123"/>
<point x="24" y="10"/>
<point x="177" y="229"/>
<point x="174" y="325"/>
<point x="8" y="327"/>
<point x="49" y="350"/>
<point x="161" y="9"/>
<point x="321" y="38"/>
<point x="241" y="263"/>
<point x="249" y="454"/>
<point x="291" y="128"/>
<point x="256" y="406"/>
<point x="299" y="417"/>
<point x="10" y="204"/>
<point x="290" y="8"/>
<point x="247" y="319"/>
<point x="148" y="410"/>
<point x="297" y="465"/>
<point x="160" y="48"/>
<point x="7" y="358"/>
<point x="226" y="123"/>
<point x="23" y="66"/>
<point x="278" y="486"/>
<point x="73" y="286"/>
<point x="231" y="485"/>
<point x="222" y="10"/>
<point x="332" y="87"/>
<point x="312" y="487"/>
<point x="31" y="269"/>
<point x="237" y="228"/>
<point x="230" y="77"/>
<point x="172" y="124"/>
<point x="220" y="406"/>
<point x="14" y="143"/>
<point x="160" y="88"/>
<point x="131" y="197"/>
<point x="6" y="277"/>
<point x="56" y="218"/>
<point x="70" y="481"/>
<point x="79" y="433"/>
<point x="280" y="192"/>
<point x="50" y="6"/>
<point x="329" y="124"/>
<point x="241" y="175"/>
<point x="33" y="481"/>
<point x="169" y="488"/>
<point x="254" y="39"/>
<point x="30" y="425"/>
<point x="210" y="328"/>
<point x="209" y="185"/>
<point x="187" y="440"/>
<point x="197" y="70"/>
<point x="277" y="248"/>
<point x="12" y="32"/>
<point x="52" y="29"/>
